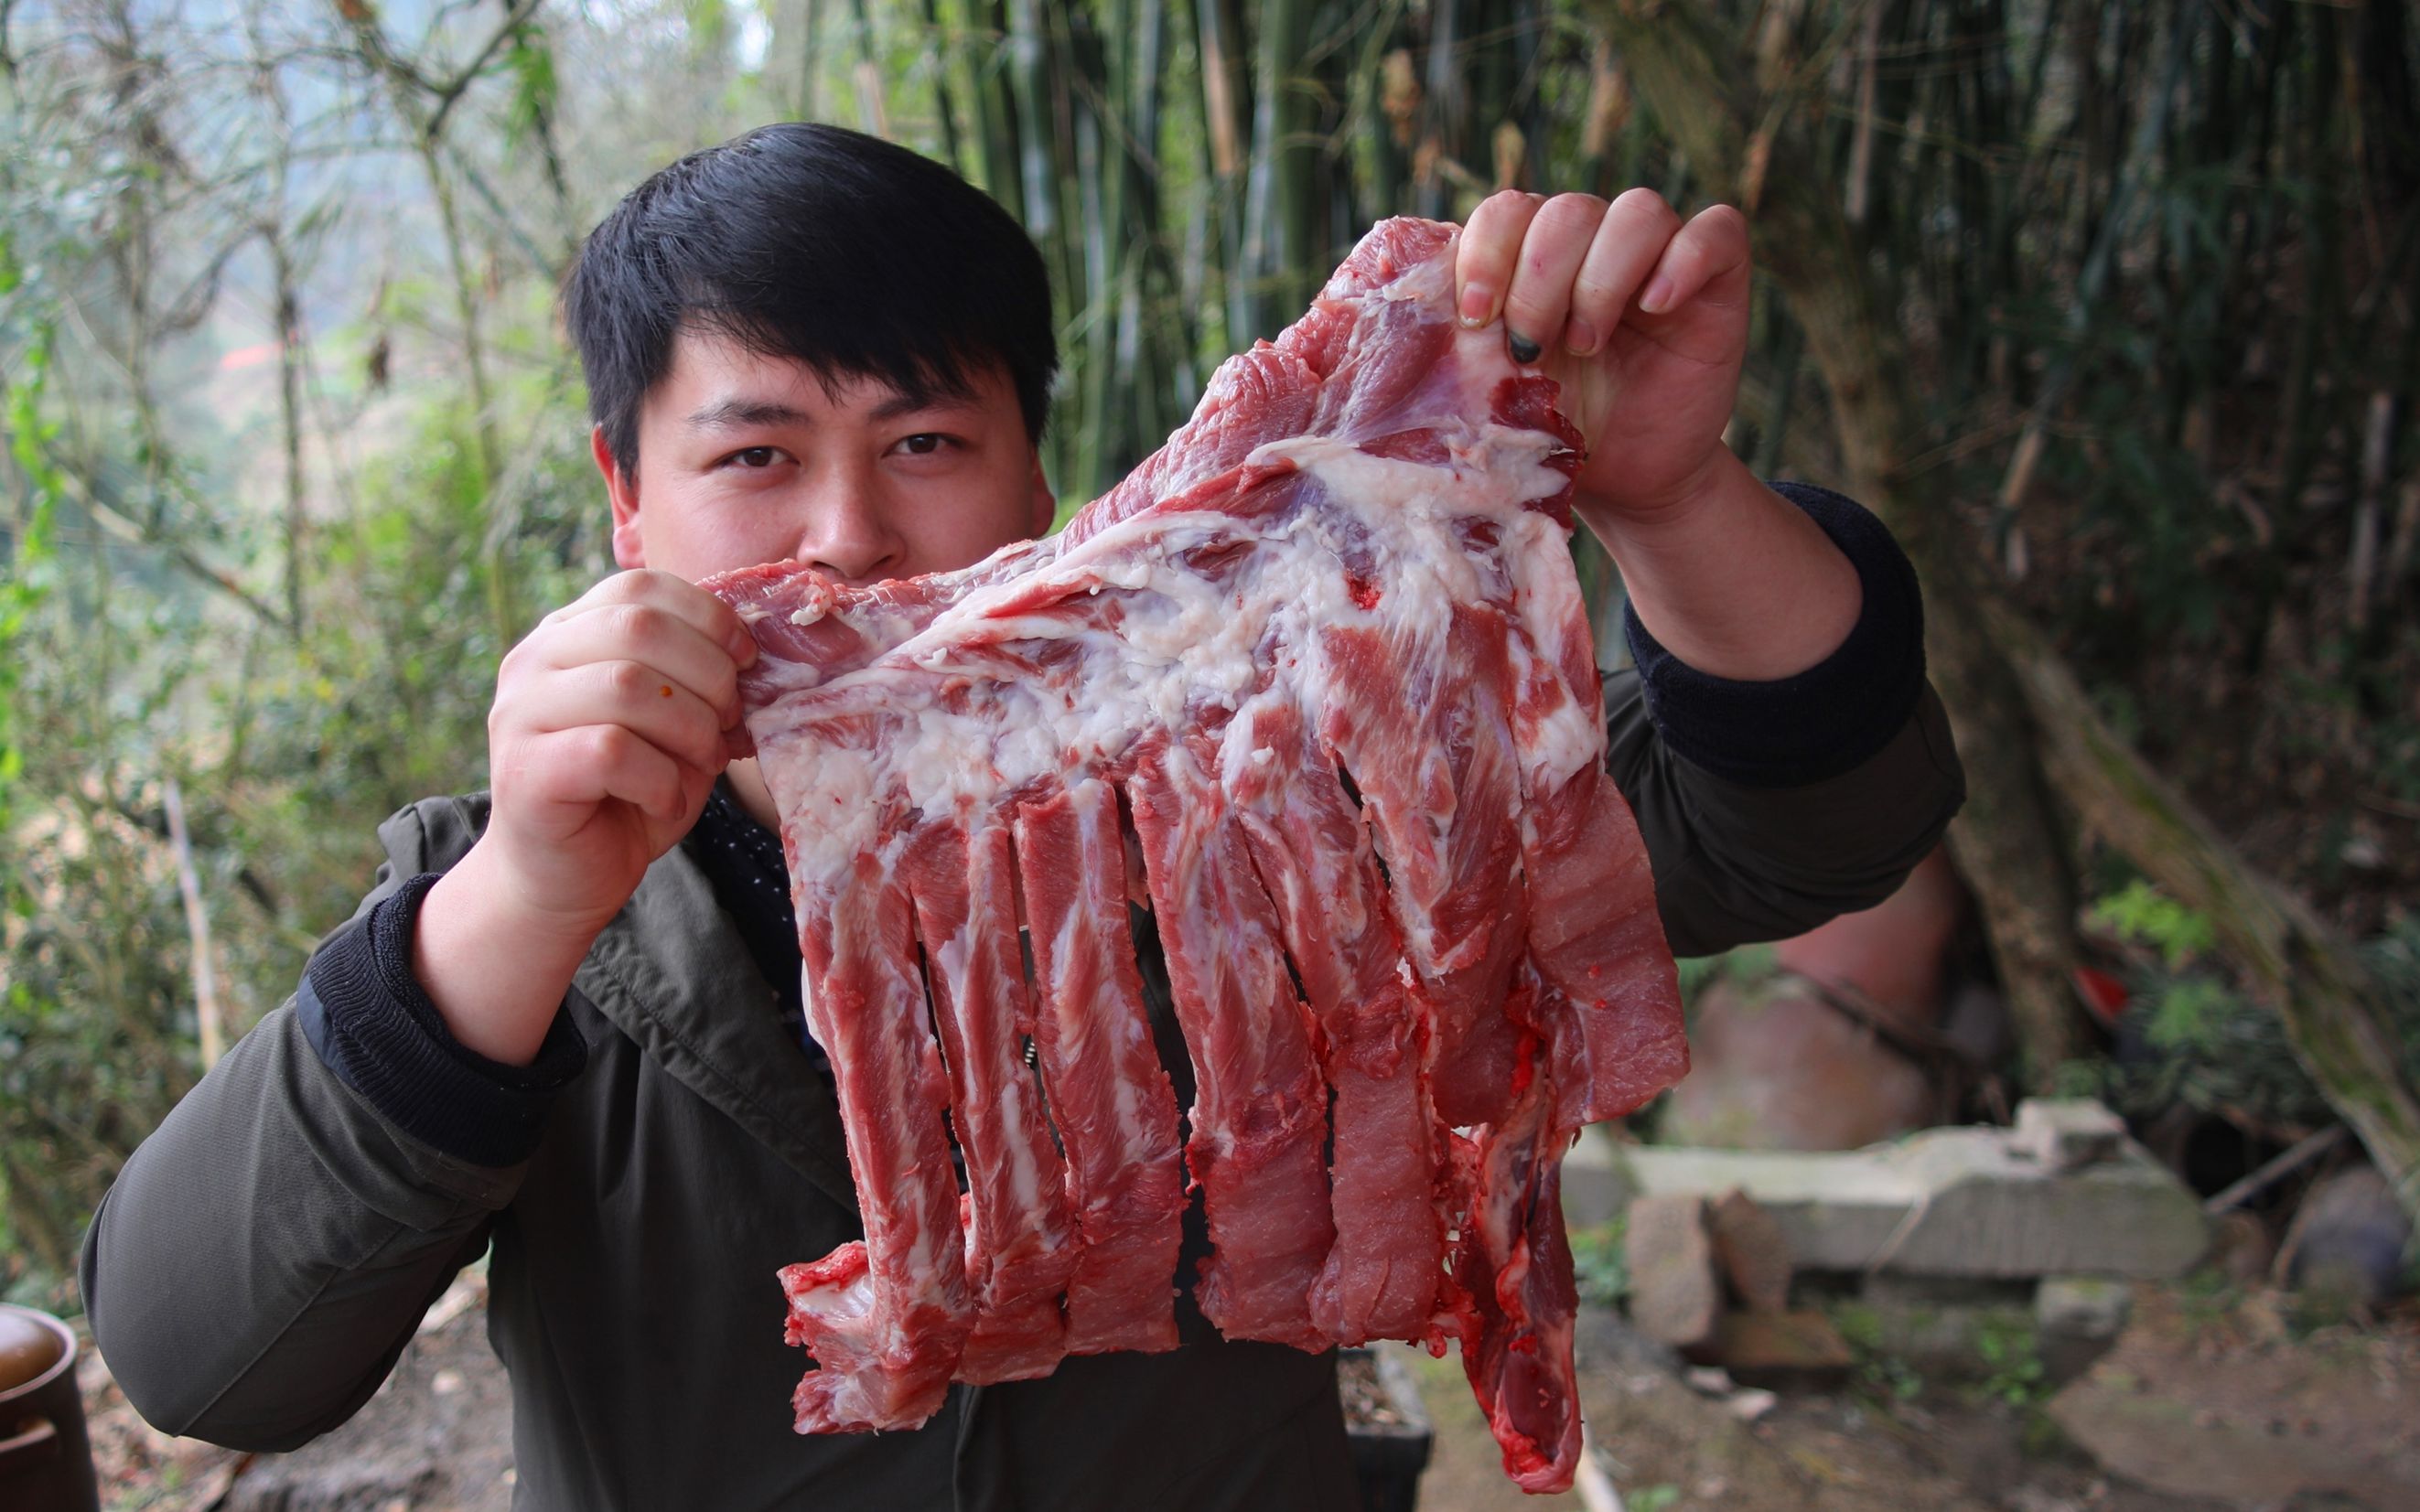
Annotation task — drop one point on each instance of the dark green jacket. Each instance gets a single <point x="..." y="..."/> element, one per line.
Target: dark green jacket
<point x="265" y="1255"/>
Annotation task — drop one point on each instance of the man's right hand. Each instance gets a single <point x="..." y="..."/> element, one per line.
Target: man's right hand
<point x="606" y="733"/>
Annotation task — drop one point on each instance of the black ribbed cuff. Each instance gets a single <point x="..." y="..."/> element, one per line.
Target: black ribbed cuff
<point x="375" y="1027"/>
<point x="1818" y="723"/>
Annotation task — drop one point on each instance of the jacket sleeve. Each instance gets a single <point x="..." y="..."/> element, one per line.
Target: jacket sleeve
<point x="1769" y="808"/>
<point x="264" y="1257"/>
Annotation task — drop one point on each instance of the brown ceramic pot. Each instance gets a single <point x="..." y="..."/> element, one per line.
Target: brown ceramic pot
<point x="45" y="1459"/>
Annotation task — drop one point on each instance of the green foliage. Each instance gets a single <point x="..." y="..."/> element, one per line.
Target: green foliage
<point x="535" y="92"/>
<point x="2012" y="1363"/>
<point x="1748" y="966"/>
<point x="1601" y="1263"/>
<point x="2199" y="1041"/>
<point x="2141" y="913"/>
<point x="28" y="576"/>
<point x="2203" y="1043"/>
<point x="1877" y="1369"/>
<point x="1656" y="1498"/>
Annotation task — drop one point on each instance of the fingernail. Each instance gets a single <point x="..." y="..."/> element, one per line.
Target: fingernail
<point x="1525" y="351"/>
<point x="1658" y="297"/>
<point x="1477" y="300"/>
<point x="1580" y="337"/>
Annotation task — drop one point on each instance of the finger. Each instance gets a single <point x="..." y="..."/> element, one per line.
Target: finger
<point x="651" y="635"/>
<point x="695" y="785"/>
<point x="1630" y="240"/>
<point x="685" y="601"/>
<point x="1558" y="241"/>
<point x="583" y="767"/>
<point x="1482" y="263"/>
<point x="1709" y="256"/>
<point x="634" y="696"/>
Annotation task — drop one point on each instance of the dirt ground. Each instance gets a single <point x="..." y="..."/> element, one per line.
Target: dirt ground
<point x="2209" y="1402"/>
<point x="1669" y="1447"/>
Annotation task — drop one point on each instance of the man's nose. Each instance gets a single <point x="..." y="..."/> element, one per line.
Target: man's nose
<point x="849" y="534"/>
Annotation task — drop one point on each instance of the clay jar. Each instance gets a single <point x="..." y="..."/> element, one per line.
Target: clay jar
<point x="45" y="1459"/>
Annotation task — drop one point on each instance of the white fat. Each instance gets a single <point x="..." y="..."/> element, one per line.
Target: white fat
<point x="1186" y="647"/>
<point x="1430" y="280"/>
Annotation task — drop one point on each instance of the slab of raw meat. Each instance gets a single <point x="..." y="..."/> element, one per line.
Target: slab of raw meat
<point x="1110" y="1099"/>
<point x="1314" y="683"/>
<point x="1020" y="1237"/>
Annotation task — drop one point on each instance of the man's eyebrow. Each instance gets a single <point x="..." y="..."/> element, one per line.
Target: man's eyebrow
<point x="742" y="415"/>
<point x="909" y="404"/>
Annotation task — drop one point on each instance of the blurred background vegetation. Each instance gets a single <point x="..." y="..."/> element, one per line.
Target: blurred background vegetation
<point x="2108" y="308"/>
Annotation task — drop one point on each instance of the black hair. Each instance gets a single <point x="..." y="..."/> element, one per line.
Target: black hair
<point x="849" y="254"/>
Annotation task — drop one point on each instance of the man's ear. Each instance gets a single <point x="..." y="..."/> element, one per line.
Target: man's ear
<point x="1043" y="504"/>
<point x="623" y="491"/>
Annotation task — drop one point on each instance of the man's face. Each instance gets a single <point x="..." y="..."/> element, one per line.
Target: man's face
<point x="744" y="458"/>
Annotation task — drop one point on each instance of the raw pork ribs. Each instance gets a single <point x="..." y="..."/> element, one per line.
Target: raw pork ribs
<point x="1316" y="686"/>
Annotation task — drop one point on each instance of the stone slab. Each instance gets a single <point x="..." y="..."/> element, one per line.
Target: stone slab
<point x="2067" y="1133"/>
<point x="1955" y="1201"/>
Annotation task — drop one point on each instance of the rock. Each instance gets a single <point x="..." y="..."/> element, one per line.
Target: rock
<point x="2205" y="1412"/>
<point x="1674" y="1298"/>
<point x="1800" y="1349"/>
<point x="2078" y="1317"/>
<point x="1752" y="1251"/>
<point x="2082" y="1306"/>
<point x="1951" y="1202"/>
<point x="2067" y="1133"/>
<point x="2344" y="1249"/>
<point x="2241" y="1247"/>
<point x="1747" y="1406"/>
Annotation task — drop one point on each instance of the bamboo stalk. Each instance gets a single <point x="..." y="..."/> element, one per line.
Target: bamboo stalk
<point x="1608" y="111"/>
<point x="1443" y="107"/>
<point x="873" y="116"/>
<point x="1226" y="105"/>
<point x="995" y="107"/>
<point x="1099" y="202"/>
<point x="1037" y="174"/>
<point x="945" y="52"/>
<point x="1274" y="231"/>
<point x="2378" y="447"/>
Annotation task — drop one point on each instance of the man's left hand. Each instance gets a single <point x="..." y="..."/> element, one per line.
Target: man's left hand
<point x="1642" y="317"/>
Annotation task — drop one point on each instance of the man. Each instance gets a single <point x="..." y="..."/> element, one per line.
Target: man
<point x="566" y="1023"/>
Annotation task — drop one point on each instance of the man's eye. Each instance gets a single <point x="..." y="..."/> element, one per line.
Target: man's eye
<point x="925" y="443"/>
<point x="755" y="456"/>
